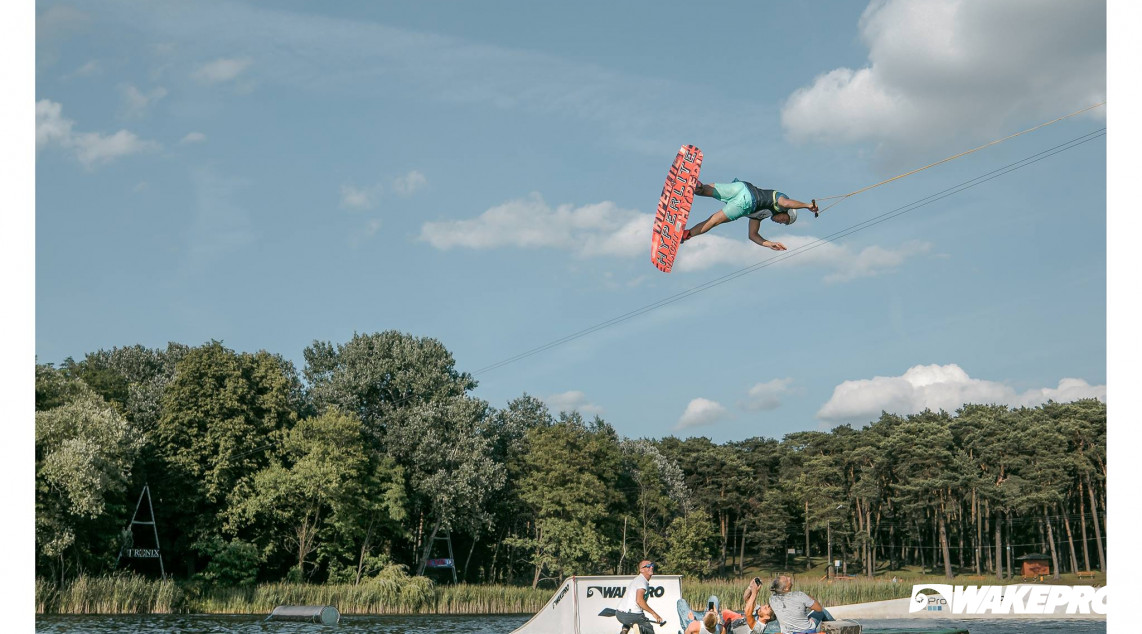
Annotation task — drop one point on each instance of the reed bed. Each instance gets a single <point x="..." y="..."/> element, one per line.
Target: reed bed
<point x="132" y="594"/>
<point x="470" y="599"/>
<point x="116" y="594"/>
<point x="730" y="591"/>
<point x="45" y="596"/>
<point x="414" y="595"/>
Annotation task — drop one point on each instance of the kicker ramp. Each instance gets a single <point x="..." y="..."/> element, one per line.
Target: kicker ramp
<point x="575" y="607"/>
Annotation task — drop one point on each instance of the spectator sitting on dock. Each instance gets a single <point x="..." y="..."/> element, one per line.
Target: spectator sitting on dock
<point x="756" y="618"/>
<point x="708" y="624"/>
<point x="797" y="612"/>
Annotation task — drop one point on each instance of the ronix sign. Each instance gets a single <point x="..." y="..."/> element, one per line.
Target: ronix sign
<point x="617" y="592"/>
<point x="1017" y="599"/>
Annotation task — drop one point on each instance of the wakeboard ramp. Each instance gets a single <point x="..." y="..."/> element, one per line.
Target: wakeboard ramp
<point x="575" y="607"/>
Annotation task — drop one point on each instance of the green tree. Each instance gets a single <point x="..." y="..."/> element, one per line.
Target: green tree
<point x="926" y="478"/>
<point x="690" y="544"/>
<point x="318" y="489"/>
<point x="55" y="388"/>
<point x="223" y="415"/>
<point x="84" y="453"/>
<point x="771" y="522"/>
<point x="719" y="478"/>
<point x="657" y="494"/>
<point x="761" y="521"/>
<point x="989" y="437"/>
<point x="132" y="378"/>
<point x="813" y="478"/>
<point x="378" y="375"/>
<point x="414" y="406"/>
<point x="510" y="515"/>
<point x="569" y="484"/>
<point x="1044" y="466"/>
<point x="232" y="563"/>
<point x="1083" y="424"/>
<point x="447" y="451"/>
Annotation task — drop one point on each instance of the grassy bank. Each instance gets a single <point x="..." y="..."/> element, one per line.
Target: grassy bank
<point x="131" y="594"/>
<point x="730" y="591"/>
<point x="380" y="596"/>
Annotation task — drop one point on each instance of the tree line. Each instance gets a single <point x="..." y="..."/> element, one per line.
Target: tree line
<point x="376" y="449"/>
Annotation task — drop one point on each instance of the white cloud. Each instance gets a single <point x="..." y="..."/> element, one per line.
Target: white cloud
<point x="572" y="401"/>
<point x="193" y="137"/>
<point x="409" y="183"/>
<point x="92" y="67"/>
<point x="51" y="126"/>
<point x="591" y="230"/>
<point x="702" y="412"/>
<point x="371" y="228"/>
<point x="938" y="387"/>
<point x="1067" y="390"/>
<point x="220" y="70"/>
<point x="136" y="102"/>
<point x="606" y="230"/>
<point x="874" y="260"/>
<point x="353" y="197"/>
<point x="767" y="396"/>
<point x="708" y="251"/>
<point x="957" y="70"/>
<point x="91" y="148"/>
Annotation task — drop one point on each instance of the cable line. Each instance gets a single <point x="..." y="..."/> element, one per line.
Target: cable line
<point x="784" y="255"/>
<point x="956" y="156"/>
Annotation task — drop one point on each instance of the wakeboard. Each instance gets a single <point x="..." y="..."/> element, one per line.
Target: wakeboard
<point x="674" y="207"/>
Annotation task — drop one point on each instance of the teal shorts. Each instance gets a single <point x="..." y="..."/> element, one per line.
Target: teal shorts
<point x="737" y="198"/>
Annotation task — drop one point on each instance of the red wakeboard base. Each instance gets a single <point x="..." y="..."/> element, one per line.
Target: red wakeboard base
<point x="674" y="207"/>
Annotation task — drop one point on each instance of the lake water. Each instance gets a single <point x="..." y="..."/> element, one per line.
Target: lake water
<point x="434" y="624"/>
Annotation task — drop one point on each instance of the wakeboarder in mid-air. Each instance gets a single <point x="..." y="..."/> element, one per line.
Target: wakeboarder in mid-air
<point x="743" y="199"/>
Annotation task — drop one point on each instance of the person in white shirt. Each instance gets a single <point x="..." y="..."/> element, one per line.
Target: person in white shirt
<point x="633" y="608"/>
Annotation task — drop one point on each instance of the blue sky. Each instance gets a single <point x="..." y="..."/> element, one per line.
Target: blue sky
<point x="270" y="174"/>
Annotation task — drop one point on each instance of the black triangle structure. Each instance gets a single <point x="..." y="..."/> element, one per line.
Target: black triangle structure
<point x="128" y="549"/>
<point x="450" y="562"/>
